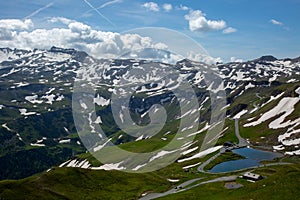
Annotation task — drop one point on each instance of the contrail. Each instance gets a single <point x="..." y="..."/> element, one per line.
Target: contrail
<point x="90" y="5"/>
<point x="105" y="5"/>
<point x="109" y="3"/>
<point x="39" y="10"/>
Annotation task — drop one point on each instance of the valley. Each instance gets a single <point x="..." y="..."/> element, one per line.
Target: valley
<point x="49" y="152"/>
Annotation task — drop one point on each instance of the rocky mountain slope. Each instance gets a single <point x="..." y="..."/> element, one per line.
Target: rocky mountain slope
<point x="36" y="87"/>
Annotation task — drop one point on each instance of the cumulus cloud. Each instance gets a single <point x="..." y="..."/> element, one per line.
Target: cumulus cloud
<point x="9" y="27"/>
<point x="73" y="34"/>
<point x="16" y="24"/>
<point x="275" y="22"/>
<point x="151" y="6"/>
<point x="234" y="59"/>
<point x="99" y="44"/>
<point x="229" y="30"/>
<point x="203" y="58"/>
<point x="167" y="7"/>
<point x="79" y="27"/>
<point x="63" y="20"/>
<point x="198" y="22"/>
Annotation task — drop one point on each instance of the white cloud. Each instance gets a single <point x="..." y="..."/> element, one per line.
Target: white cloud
<point x="275" y="22"/>
<point x="99" y="44"/>
<point x="60" y="19"/>
<point x="203" y="58"/>
<point x="234" y="59"/>
<point x="167" y="7"/>
<point x="16" y="24"/>
<point x="229" y="30"/>
<point x="79" y="27"/>
<point x="9" y="27"/>
<point x="182" y="7"/>
<point x="198" y="22"/>
<point x="151" y="6"/>
<point x="72" y="35"/>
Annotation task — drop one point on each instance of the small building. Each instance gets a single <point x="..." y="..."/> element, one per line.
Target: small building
<point x="252" y="177"/>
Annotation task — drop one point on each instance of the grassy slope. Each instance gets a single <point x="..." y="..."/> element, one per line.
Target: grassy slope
<point x="69" y="183"/>
<point x="280" y="183"/>
<point x="73" y="183"/>
<point x="262" y="135"/>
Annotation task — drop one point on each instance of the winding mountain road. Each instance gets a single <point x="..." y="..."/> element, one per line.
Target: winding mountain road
<point x="183" y="187"/>
<point x="242" y="141"/>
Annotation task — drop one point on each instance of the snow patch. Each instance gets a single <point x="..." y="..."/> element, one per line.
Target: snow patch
<point x="298" y="90"/>
<point x="23" y="111"/>
<point x="33" y="99"/>
<point x="292" y="81"/>
<point x="291" y="153"/>
<point x="278" y="148"/>
<point x="7" y="128"/>
<point x="101" y="146"/>
<point x="161" y="154"/>
<point x="272" y="98"/>
<point x="201" y="154"/>
<point x="139" y="138"/>
<point x="21" y="84"/>
<point x="65" y="141"/>
<point x="100" y="101"/>
<point x="190" y="166"/>
<point x="12" y="71"/>
<point x="173" y="180"/>
<point x="49" y="98"/>
<point x="37" y="145"/>
<point x="112" y="166"/>
<point x="250" y="85"/>
<point x="205" y="128"/>
<point x="285" y="107"/>
<point x="139" y="167"/>
<point x="189" y="151"/>
<point x="240" y="114"/>
<point x="98" y="120"/>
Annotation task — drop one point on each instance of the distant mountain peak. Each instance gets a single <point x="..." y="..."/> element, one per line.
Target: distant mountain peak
<point x="78" y="55"/>
<point x="62" y="50"/>
<point x="267" y="58"/>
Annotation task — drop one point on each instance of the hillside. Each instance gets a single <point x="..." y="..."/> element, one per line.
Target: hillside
<point x="56" y="104"/>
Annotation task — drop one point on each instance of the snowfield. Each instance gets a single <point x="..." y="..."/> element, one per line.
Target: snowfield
<point x="279" y="113"/>
<point x="285" y="107"/>
<point x="297" y="152"/>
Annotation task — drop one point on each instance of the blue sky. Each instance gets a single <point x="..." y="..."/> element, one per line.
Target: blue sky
<point x="254" y="28"/>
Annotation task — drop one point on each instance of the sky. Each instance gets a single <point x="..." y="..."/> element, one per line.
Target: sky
<point x="229" y="30"/>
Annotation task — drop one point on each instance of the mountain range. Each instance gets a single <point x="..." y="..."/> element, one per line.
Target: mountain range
<point x="39" y="139"/>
